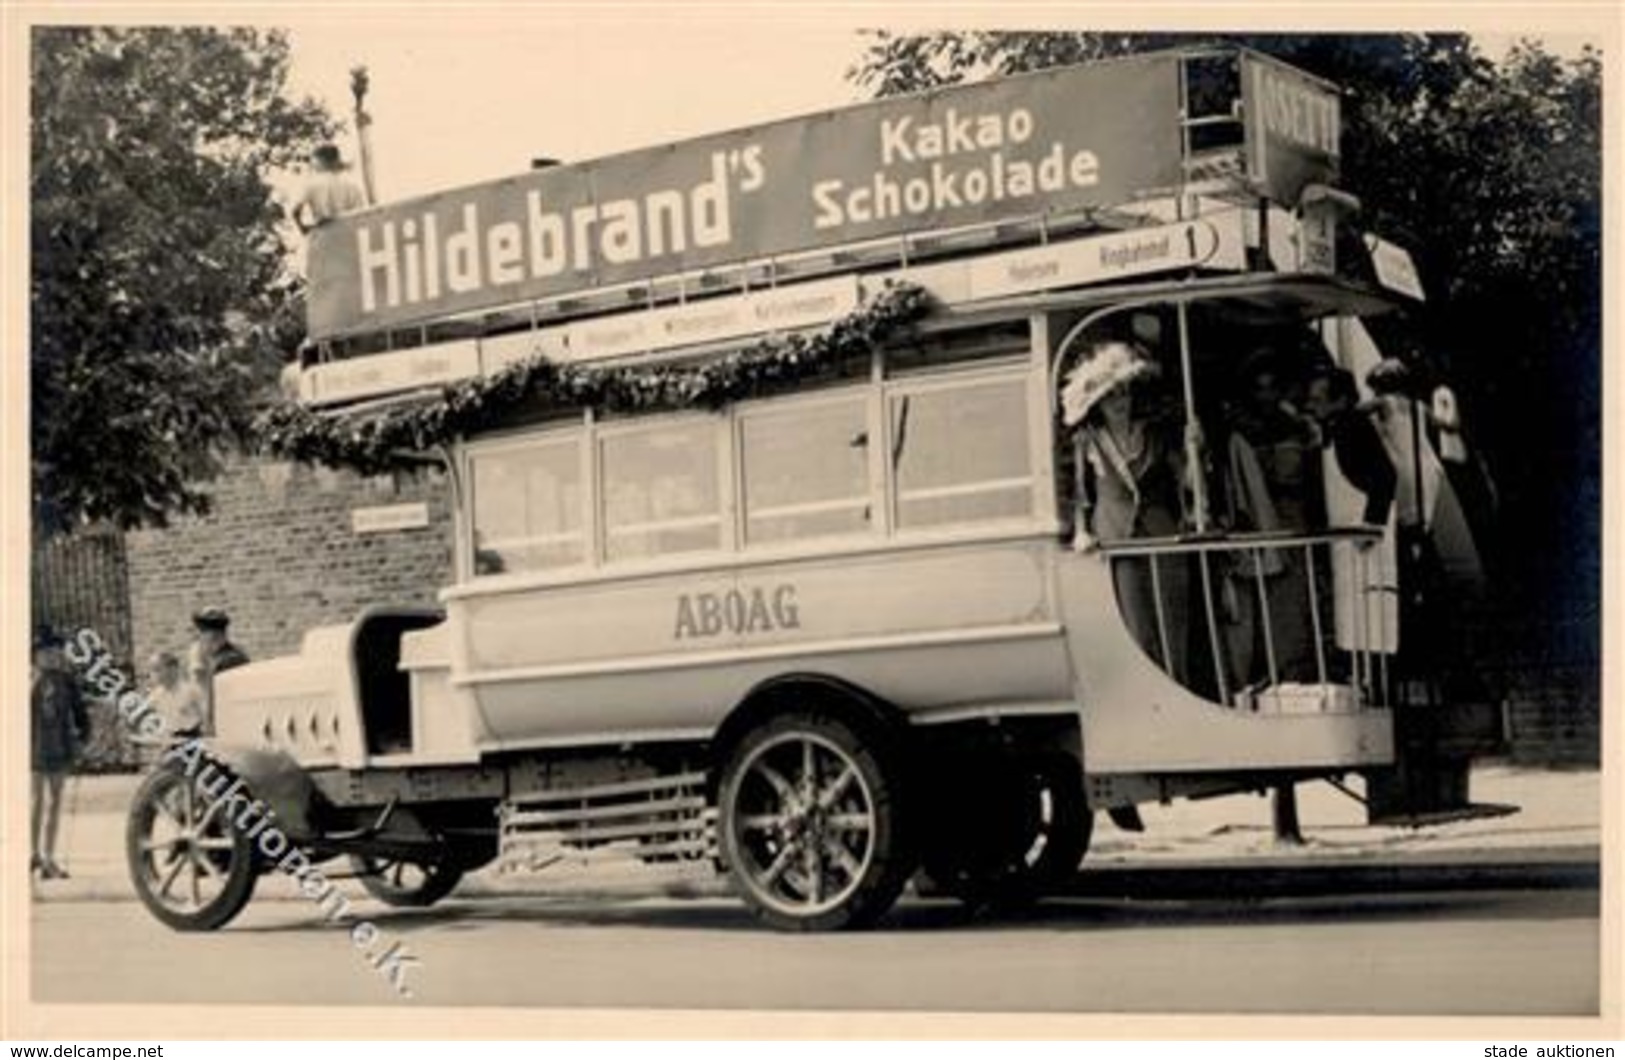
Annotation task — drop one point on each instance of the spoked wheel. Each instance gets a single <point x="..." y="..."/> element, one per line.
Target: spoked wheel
<point x="405" y="884"/>
<point x="811" y="825"/>
<point x="192" y="867"/>
<point x="1022" y="834"/>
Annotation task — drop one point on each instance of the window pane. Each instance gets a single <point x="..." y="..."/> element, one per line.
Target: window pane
<point x="961" y="454"/>
<point x="806" y="472"/>
<point x="660" y="491"/>
<point x="527" y="508"/>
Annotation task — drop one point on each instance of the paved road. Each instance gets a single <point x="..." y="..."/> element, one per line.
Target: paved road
<point x="1452" y="953"/>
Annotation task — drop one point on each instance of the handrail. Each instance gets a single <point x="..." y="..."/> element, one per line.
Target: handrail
<point x="1277" y="613"/>
<point x="1220" y="541"/>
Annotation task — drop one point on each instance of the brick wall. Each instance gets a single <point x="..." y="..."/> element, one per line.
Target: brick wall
<point x="1548" y="674"/>
<point x="1555" y="717"/>
<point x="280" y="555"/>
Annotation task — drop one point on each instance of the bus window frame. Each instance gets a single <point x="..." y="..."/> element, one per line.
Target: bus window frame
<point x="1010" y="372"/>
<point x="518" y="441"/>
<point x="726" y="502"/>
<point x="864" y="394"/>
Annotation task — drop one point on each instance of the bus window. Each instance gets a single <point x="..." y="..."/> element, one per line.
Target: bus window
<point x="961" y="453"/>
<point x="806" y="471"/>
<point x="661" y="490"/>
<point x="527" y="508"/>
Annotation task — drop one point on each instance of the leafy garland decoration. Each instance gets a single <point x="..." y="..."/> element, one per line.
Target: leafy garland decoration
<point x="384" y="439"/>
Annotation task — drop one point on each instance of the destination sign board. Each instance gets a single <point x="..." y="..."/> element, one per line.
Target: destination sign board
<point x="1215" y="242"/>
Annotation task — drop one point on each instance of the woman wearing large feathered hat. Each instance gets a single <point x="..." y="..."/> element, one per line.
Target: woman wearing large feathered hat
<point x="1132" y="475"/>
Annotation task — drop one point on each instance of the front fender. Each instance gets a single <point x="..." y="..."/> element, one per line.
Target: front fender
<point x="270" y="776"/>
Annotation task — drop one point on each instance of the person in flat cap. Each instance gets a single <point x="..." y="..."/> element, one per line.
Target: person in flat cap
<point x="330" y="191"/>
<point x="212" y="653"/>
<point x="1132" y="483"/>
<point x="61" y="723"/>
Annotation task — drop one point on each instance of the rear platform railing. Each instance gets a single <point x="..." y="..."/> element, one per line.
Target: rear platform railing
<point x="1318" y="610"/>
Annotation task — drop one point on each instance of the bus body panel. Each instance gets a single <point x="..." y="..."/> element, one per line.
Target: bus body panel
<point x="959" y="625"/>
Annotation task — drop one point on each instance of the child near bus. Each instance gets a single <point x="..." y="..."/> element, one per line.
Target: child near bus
<point x="61" y="723"/>
<point x="178" y="700"/>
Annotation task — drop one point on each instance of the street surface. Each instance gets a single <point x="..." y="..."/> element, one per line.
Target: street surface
<point x="1499" y="952"/>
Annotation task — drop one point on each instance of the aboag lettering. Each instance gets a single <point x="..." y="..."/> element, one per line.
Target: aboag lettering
<point x="737" y="611"/>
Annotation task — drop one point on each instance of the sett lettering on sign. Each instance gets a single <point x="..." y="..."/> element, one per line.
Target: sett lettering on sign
<point x="1300" y="114"/>
<point x="737" y="611"/>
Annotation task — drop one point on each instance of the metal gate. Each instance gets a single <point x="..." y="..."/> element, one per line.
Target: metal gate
<point x="82" y="581"/>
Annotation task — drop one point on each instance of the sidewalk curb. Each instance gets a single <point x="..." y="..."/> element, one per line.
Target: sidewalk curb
<point x="1539" y="868"/>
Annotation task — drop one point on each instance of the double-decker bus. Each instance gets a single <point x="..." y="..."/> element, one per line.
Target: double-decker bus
<point x="773" y="502"/>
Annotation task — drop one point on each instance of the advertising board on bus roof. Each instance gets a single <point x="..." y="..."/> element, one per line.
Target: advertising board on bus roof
<point x="1055" y="141"/>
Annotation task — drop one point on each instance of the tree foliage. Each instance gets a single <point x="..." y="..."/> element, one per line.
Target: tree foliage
<point x="160" y="298"/>
<point x="1490" y="171"/>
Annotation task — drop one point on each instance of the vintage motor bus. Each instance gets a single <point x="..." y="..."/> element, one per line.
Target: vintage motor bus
<point x="767" y="543"/>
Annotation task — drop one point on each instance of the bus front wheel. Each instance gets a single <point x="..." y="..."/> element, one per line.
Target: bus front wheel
<point x="811" y="823"/>
<point x="192" y="866"/>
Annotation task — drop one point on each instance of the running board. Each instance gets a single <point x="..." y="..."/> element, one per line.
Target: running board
<point x="654" y="820"/>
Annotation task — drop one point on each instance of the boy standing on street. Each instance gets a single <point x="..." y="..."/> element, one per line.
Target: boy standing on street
<point x="60" y="725"/>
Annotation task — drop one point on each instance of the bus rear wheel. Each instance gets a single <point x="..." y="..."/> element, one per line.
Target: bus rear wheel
<point x="405" y="884"/>
<point x="811" y="824"/>
<point x="1019" y="836"/>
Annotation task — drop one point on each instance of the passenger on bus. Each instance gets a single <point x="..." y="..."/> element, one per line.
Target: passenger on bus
<point x="330" y="191"/>
<point x="1333" y="400"/>
<point x="1271" y="483"/>
<point x="1132" y="483"/>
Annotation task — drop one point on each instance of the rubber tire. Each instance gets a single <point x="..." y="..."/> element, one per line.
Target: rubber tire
<point x="439" y="883"/>
<point x="987" y="863"/>
<point x="240" y="879"/>
<point x="893" y="860"/>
